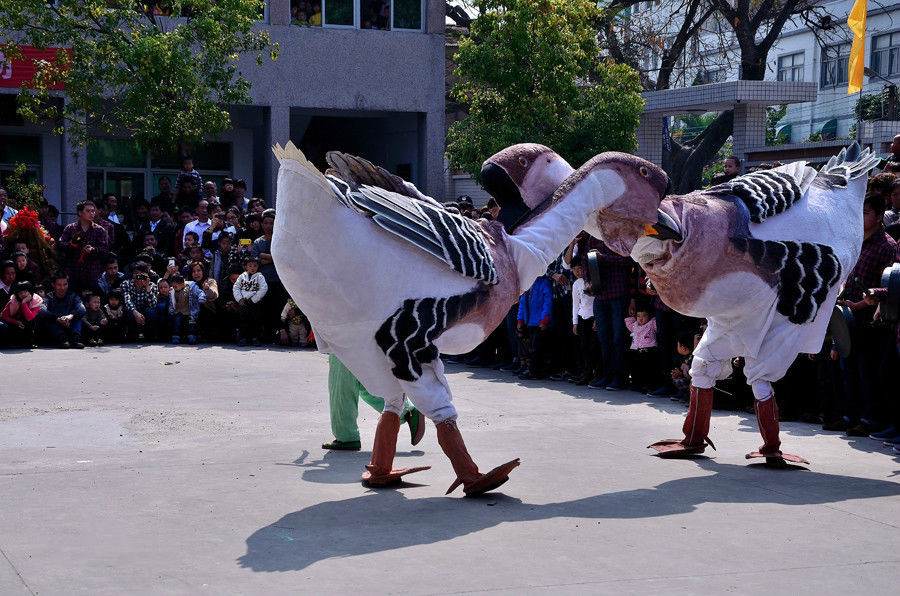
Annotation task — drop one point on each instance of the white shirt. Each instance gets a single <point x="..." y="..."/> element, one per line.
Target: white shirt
<point x="198" y="227"/>
<point x="8" y="212"/>
<point x="582" y="304"/>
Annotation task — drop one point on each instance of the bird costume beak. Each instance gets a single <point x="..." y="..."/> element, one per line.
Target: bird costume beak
<point x="665" y="228"/>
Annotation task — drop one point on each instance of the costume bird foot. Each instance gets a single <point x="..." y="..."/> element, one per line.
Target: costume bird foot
<point x="676" y="448"/>
<point x="487" y="482"/>
<point x="777" y="459"/>
<point x="370" y="478"/>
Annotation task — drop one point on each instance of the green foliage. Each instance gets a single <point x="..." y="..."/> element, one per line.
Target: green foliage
<point x="773" y="116"/>
<point x="872" y="107"/>
<point x="717" y="165"/>
<point x="22" y="189"/>
<point x="688" y="126"/>
<point x="165" y="81"/>
<point x="531" y="72"/>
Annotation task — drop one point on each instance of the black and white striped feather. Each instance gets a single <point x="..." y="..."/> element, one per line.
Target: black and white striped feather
<point x="769" y="192"/>
<point x="803" y="272"/>
<point x="454" y="239"/>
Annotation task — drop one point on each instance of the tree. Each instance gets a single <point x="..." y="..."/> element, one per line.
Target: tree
<point x="128" y="66"/>
<point x="530" y="71"/>
<point x="738" y="32"/>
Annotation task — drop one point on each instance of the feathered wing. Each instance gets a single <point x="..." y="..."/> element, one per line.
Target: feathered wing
<point x="804" y="272"/>
<point x="358" y="171"/>
<point x="454" y="239"/>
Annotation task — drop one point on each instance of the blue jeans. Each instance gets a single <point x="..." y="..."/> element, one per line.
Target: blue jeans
<point x="60" y="334"/>
<point x="609" y="317"/>
<point x="183" y="325"/>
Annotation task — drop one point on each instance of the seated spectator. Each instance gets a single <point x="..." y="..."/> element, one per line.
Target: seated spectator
<point x="206" y="320"/>
<point x="84" y="245"/>
<point x="235" y="218"/>
<point x="210" y="236"/>
<point x="62" y="317"/>
<point x="296" y="326"/>
<point x="140" y="298"/>
<point x="185" y="216"/>
<point x="184" y="308"/>
<point x="20" y="315"/>
<point x="249" y="290"/>
<point x="240" y="189"/>
<point x="195" y="254"/>
<point x="252" y="231"/>
<point x="159" y="227"/>
<point x="892" y="213"/>
<point x="141" y="214"/>
<point x="201" y="223"/>
<point x="94" y="322"/>
<point x="681" y="375"/>
<point x="23" y="271"/>
<point x="112" y="278"/>
<point x="731" y="168"/>
<point x="114" y="313"/>
<point x="7" y="279"/>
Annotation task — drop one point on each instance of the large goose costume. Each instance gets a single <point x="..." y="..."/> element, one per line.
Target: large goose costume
<point x="762" y="258"/>
<point x="389" y="279"/>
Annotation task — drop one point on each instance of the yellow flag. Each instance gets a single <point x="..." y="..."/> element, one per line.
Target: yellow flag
<point x="857" y="23"/>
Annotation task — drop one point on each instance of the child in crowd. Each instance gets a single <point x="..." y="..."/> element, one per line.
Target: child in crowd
<point x="184" y="308"/>
<point x="681" y="376"/>
<point x="23" y="272"/>
<point x="114" y="311"/>
<point x="583" y="325"/>
<point x="296" y="326"/>
<point x="20" y="313"/>
<point x="93" y="326"/>
<point x="643" y="355"/>
<point x="248" y="291"/>
<point x="161" y="318"/>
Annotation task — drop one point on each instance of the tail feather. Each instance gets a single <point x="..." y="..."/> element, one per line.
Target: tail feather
<point x="850" y="163"/>
<point x="290" y="152"/>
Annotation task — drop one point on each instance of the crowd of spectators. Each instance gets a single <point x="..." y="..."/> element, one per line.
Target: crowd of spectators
<point x="192" y="264"/>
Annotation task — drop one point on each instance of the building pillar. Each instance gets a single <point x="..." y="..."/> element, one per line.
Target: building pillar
<point x="749" y="128"/>
<point x="279" y="12"/>
<point x="431" y="154"/>
<point x="279" y="129"/>
<point x="649" y="137"/>
<point x="73" y="177"/>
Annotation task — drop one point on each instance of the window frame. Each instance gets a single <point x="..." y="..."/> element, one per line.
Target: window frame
<point x="835" y="59"/>
<point x="894" y="37"/>
<point x="357" y="18"/>
<point x="793" y="67"/>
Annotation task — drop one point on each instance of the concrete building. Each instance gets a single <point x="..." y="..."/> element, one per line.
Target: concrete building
<point x="802" y="72"/>
<point x="375" y="93"/>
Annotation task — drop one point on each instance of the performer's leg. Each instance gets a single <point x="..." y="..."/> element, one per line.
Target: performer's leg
<point x="704" y="374"/>
<point x="343" y="405"/>
<point x="767" y="410"/>
<point x="431" y="395"/>
<point x="409" y="414"/>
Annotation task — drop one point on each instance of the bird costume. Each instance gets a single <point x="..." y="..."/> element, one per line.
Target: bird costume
<point x="762" y="257"/>
<point x="389" y="279"/>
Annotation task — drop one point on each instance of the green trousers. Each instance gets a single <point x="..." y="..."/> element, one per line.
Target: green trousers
<point x="344" y="392"/>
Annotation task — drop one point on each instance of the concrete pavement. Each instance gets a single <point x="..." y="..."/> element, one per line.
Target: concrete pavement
<point x="122" y="474"/>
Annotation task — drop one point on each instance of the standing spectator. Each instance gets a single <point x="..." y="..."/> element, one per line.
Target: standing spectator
<point x="141" y="210"/>
<point x="6" y="212"/>
<point x="201" y="223"/>
<point x="63" y="314"/>
<point x="892" y="162"/>
<point x="276" y="295"/>
<point x="240" y="189"/>
<point x="210" y="192"/>
<point x="188" y="173"/>
<point x="165" y="200"/>
<point x="252" y="231"/>
<point x="644" y="355"/>
<point x="534" y="319"/>
<point x="20" y="315"/>
<point x="112" y="209"/>
<point x="229" y="309"/>
<point x="84" y="244"/>
<point x="48" y="216"/>
<point x="159" y="227"/>
<point x="249" y="291"/>
<point x="611" y="306"/>
<point x="226" y="197"/>
<point x="222" y="258"/>
<point x="119" y="241"/>
<point x="256" y="205"/>
<point x="583" y="326"/>
<point x="185" y="216"/>
<point x="140" y="298"/>
<point x="731" y="168"/>
<point x="866" y="396"/>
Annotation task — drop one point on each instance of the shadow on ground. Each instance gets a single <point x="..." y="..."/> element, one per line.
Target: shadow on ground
<point x="386" y="520"/>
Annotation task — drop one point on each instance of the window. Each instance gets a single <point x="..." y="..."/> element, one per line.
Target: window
<point x="407" y="15"/>
<point x="886" y="54"/>
<point x="712" y="76"/>
<point x="834" y="65"/>
<point x="790" y="68"/>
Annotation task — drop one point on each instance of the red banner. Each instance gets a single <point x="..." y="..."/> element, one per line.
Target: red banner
<point x="15" y="72"/>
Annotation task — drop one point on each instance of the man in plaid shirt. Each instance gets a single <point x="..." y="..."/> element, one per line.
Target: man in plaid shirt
<point x="611" y="305"/>
<point x="84" y="245"/>
<point x="866" y="390"/>
<point x="140" y="297"/>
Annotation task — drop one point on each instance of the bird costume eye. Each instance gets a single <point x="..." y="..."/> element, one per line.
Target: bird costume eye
<point x="644" y="171"/>
<point x="523" y="162"/>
